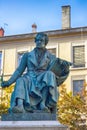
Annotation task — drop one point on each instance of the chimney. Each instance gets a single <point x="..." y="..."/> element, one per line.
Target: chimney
<point x="66" y="17"/>
<point x="1" y="32"/>
<point x="34" y="28"/>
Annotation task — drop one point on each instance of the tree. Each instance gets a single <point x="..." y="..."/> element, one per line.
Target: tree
<point x="72" y="110"/>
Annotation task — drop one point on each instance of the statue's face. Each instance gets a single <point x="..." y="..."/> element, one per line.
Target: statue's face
<point x="40" y="41"/>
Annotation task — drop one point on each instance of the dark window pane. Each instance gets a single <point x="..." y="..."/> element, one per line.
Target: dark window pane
<point x="79" y="56"/>
<point x="77" y="86"/>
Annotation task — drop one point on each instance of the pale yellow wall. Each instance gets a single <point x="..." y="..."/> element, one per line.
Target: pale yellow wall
<point x="9" y="52"/>
<point x="63" y="48"/>
<point x="65" y="51"/>
<point x="9" y="61"/>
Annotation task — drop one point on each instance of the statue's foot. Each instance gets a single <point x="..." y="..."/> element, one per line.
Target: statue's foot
<point x="28" y="109"/>
<point x="51" y="104"/>
<point x="54" y="110"/>
<point x="34" y="107"/>
<point x="44" y="108"/>
<point x="18" y="109"/>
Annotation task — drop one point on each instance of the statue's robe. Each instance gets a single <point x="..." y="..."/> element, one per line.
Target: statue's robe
<point x="29" y="86"/>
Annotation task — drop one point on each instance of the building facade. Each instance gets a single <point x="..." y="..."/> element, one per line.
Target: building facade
<point x="68" y="44"/>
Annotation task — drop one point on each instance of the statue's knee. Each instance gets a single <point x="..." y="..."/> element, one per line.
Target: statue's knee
<point x="49" y="72"/>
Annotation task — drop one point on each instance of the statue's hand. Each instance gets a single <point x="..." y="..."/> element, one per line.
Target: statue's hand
<point x="5" y="84"/>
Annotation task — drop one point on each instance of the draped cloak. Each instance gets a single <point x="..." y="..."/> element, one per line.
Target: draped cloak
<point x="29" y="86"/>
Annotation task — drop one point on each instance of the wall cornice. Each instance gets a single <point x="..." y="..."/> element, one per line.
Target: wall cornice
<point x="52" y="33"/>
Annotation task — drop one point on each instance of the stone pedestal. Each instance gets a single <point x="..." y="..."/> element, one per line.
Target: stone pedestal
<point x="28" y="116"/>
<point x="30" y="121"/>
<point x="31" y="125"/>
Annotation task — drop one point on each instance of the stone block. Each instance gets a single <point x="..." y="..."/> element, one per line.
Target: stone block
<point x="28" y="116"/>
<point x="32" y="125"/>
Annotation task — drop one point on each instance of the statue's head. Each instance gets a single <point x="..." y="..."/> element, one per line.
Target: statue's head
<point x="41" y="40"/>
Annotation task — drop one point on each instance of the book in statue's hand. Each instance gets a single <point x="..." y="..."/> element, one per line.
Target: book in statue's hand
<point x="60" y="67"/>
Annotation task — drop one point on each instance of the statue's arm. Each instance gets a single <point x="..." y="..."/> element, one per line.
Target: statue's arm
<point x="18" y="72"/>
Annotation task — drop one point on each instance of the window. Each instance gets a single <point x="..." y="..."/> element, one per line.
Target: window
<point x="20" y="54"/>
<point x="52" y="50"/>
<point x="0" y="61"/>
<point x="77" y="86"/>
<point x="79" y="56"/>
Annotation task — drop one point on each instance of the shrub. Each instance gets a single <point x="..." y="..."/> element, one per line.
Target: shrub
<point x="5" y="95"/>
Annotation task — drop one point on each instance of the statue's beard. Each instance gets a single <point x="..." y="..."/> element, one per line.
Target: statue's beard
<point x="39" y="52"/>
<point x="40" y="49"/>
<point x="42" y="46"/>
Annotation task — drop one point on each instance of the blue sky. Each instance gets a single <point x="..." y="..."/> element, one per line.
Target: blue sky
<point x="17" y="16"/>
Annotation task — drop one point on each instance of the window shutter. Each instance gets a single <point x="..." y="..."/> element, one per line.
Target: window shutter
<point x="79" y="56"/>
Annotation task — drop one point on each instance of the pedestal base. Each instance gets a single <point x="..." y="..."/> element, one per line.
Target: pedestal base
<point x="31" y="125"/>
<point x="28" y="116"/>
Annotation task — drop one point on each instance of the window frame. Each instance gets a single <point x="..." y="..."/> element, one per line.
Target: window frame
<point x="1" y="69"/>
<point x="76" y="78"/>
<point x="72" y="54"/>
<point x="53" y="47"/>
<point x="20" y="60"/>
<point x="20" y="52"/>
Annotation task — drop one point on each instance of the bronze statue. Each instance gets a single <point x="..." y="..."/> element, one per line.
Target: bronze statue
<point x="37" y="89"/>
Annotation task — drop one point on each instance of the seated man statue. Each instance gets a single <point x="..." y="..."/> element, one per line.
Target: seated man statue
<point x="37" y="88"/>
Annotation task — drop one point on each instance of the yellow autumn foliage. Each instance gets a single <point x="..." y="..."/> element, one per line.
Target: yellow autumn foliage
<point x="5" y="95"/>
<point x="72" y="110"/>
